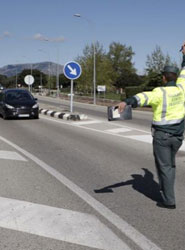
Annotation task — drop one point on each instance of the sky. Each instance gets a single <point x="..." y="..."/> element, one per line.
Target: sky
<point x="34" y="31"/>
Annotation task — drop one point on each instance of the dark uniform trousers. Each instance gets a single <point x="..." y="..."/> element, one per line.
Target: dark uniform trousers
<point x="165" y="147"/>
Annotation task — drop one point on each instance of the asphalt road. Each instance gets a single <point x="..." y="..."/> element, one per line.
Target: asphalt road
<point x="94" y="111"/>
<point x="84" y="185"/>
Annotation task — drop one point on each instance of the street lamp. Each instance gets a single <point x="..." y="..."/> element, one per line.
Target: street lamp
<point x="94" y="61"/>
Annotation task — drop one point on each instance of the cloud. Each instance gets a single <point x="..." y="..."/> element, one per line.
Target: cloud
<point x="5" y="34"/>
<point x="41" y="37"/>
<point x="58" y="39"/>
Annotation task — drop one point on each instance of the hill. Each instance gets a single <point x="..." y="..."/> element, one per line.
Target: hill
<point x="45" y="67"/>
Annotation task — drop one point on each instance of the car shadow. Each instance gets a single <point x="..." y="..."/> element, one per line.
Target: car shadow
<point x="144" y="184"/>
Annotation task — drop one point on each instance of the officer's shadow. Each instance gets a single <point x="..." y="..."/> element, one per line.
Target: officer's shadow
<point x="144" y="184"/>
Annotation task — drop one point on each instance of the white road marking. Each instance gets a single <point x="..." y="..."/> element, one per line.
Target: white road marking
<point x="10" y="155"/>
<point x="142" y="138"/>
<point x="182" y="148"/>
<point x="118" y="130"/>
<point x="139" y="239"/>
<point x="87" y="122"/>
<point x="149" y="139"/>
<point x="57" y="223"/>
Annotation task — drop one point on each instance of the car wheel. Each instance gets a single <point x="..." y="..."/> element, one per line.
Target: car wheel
<point x="36" y="117"/>
<point x="4" y="116"/>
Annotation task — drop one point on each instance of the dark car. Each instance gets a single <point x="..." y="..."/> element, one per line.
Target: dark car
<point x="15" y="103"/>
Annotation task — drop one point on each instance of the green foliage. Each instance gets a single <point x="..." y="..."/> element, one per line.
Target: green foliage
<point x="154" y="79"/>
<point x="65" y="82"/>
<point x="10" y="82"/>
<point x="120" y="57"/>
<point x="157" y="61"/>
<point x="123" y="96"/>
<point x="131" y="91"/>
<point x="154" y="66"/>
<point x="104" y="70"/>
<point x="3" y="80"/>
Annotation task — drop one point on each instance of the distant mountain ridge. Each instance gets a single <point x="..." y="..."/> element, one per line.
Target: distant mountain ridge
<point x="45" y="67"/>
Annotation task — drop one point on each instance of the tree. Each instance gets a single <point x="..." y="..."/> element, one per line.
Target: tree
<point x="120" y="57"/>
<point x="65" y="82"/>
<point x="3" y="80"/>
<point x="104" y="70"/>
<point x="10" y="82"/>
<point x="154" y="66"/>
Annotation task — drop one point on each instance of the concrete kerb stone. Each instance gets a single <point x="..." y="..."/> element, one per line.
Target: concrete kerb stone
<point x="63" y="115"/>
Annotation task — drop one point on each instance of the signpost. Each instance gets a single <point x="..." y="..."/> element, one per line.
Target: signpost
<point x="29" y="80"/>
<point x="101" y="88"/>
<point x="72" y="70"/>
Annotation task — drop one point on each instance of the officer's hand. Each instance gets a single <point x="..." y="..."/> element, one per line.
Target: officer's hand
<point x="121" y="106"/>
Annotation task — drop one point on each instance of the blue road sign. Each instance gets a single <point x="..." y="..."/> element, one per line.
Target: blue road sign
<point x="72" y="70"/>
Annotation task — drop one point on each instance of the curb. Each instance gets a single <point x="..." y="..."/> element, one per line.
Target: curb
<point x="63" y="115"/>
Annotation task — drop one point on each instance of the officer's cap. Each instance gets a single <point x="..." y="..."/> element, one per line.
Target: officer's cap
<point x="170" y="69"/>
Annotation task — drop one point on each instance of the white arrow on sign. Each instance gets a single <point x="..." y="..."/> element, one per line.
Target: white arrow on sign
<point x="73" y="71"/>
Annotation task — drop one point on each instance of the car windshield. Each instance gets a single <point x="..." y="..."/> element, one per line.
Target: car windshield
<point x="18" y="96"/>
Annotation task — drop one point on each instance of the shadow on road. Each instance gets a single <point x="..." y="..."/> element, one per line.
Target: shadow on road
<point x="144" y="184"/>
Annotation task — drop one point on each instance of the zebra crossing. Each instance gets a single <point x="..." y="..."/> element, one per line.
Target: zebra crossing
<point x="11" y="155"/>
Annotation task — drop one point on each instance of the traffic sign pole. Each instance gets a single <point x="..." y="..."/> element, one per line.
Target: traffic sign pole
<point x="72" y="70"/>
<point x="71" y="104"/>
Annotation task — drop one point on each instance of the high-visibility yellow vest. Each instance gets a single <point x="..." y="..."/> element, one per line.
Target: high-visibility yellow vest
<point x="167" y="104"/>
<point x="181" y="80"/>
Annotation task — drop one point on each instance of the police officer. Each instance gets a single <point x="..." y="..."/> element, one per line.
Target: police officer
<point x="167" y="103"/>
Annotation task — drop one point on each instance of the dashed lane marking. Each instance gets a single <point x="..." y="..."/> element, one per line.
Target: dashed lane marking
<point x="142" y="138"/>
<point x="87" y="122"/>
<point x="10" y="155"/>
<point x="57" y="223"/>
<point x="118" y="130"/>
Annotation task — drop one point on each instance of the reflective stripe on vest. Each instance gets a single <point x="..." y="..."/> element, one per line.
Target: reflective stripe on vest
<point x="164" y="105"/>
<point x="139" y="100"/>
<point x="164" y="111"/>
<point x="168" y="122"/>
<point x="181" y="86"/>
<point x="146" y="99"/>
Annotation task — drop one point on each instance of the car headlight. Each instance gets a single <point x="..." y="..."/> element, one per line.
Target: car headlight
<point x="35" y="106"/>
<point x="9" y="106"/>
